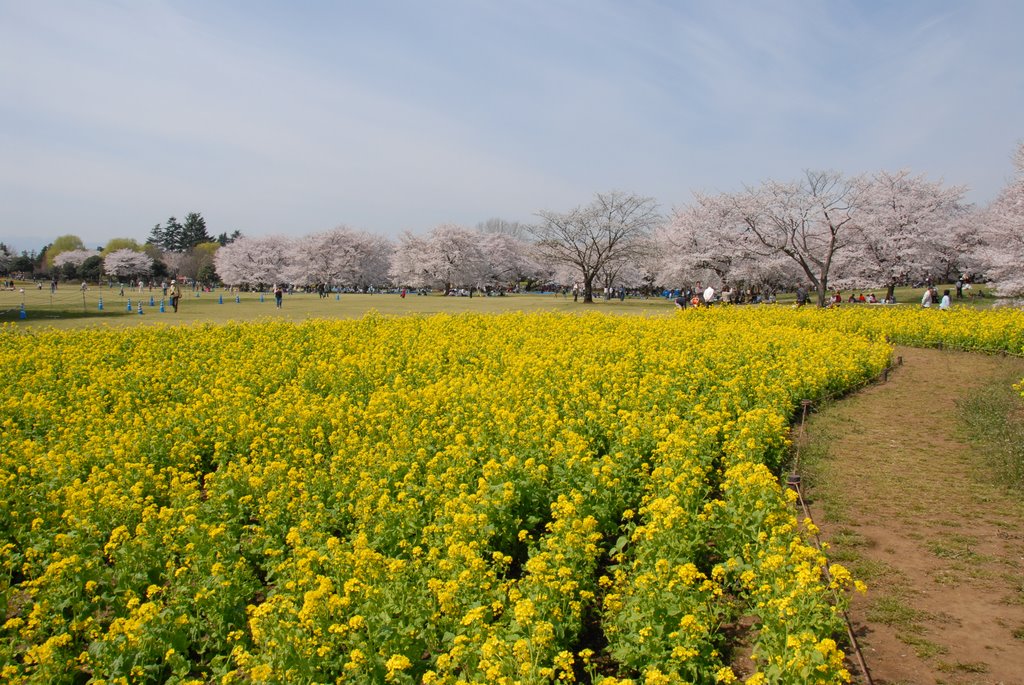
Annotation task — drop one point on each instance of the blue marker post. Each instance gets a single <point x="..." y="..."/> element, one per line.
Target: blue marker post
<point x="22" y="314"/>
<point x="161" y="306"/>
<point x="238" y="300"/>
<point x="129" y="304"/>
<point x="220" y="299"/>
<point x="151" y="302"/>
<point x="140" y="308"/>
<point x="261" y="297"/>
<point x="101" y="304"/>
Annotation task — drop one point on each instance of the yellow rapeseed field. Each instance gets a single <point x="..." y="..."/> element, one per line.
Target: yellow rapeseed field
<point x="427" y="499"/>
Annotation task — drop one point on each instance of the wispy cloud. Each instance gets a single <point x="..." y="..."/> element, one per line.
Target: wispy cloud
<point x="292" y="118"/>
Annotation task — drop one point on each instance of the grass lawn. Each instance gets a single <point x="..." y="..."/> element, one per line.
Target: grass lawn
<point x="69" y="307"/>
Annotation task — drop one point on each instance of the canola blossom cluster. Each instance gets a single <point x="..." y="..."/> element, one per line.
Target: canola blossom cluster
<point x="496" y="499"/>
<point x="961" y="328"/>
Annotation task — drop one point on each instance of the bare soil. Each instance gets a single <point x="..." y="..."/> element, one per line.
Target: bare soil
<point x="908" y="504"/>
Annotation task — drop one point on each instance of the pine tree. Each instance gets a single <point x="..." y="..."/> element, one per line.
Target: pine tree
<point x="158" y="237"/>
<point x="174" y="236"/>
<point x="194" y="231"/>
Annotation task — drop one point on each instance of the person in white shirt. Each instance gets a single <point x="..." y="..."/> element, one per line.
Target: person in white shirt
<point x="944" y="304"/>
<point x="709" y="295"/>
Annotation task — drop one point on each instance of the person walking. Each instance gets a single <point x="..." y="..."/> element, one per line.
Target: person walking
<point x="174" y="292"/>
<point x="278" y="294"/>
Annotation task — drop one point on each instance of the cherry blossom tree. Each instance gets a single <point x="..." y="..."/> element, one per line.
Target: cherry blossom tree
<point x="954" y="248"/>
<point x="64" y="243"/>
<point x="127" y="263"/>
<point x="508" y="259"/>
<point x="706" y="241"/>
<point x="322" y="258"/>
<point x="901" y="221"/>
<point x="808" y="221"/>
<point x="448" y="256"/>
<point x="703" y="238"/>
<point x="74" y="257"/>
<point x="613" y="228"/>
<point x="70" y="263"/>
<point x="374" y="262"/>
<point x="511" y="228"/>
<point x="1002" y="253"/>
<point x="340" y="256"/>
<point x="408" y="265"/>
<point x="258" y="262"/>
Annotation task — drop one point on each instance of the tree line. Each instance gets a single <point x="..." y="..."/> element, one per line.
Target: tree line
<point x="824" y="230"/>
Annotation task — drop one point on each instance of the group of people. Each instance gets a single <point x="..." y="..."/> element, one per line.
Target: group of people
<point x="608" y="292"/>
<point x="698" y="297"/>
<point x="837" y="299"/>
<point x="930" y="295"/>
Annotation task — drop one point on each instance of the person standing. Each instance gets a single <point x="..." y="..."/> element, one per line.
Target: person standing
<point x="278" y="294"/>
<point x="926" y="299"/>
<point x="709" y="295"/>
<point x="175" y="294"/>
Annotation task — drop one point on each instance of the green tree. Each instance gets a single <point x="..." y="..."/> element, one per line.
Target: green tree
<point x="198" y="262"/>
<point x="91" y="269"/>
<point x="24" y="263"/>
<point x="69" y="271"/>
<point x="64" y="243"/>
<point x="174" y="236"/>
<point x="193" y="231"/>
<point x="157" y="237"/>
<point x="115" y="244"/>
<point x="225" y="239"/>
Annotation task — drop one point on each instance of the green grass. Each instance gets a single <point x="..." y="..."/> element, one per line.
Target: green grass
<point x="954" y="548"/>
<point x="69" y="309"/>
<point x="961" y="667"/>
<point x="993" y="420"/>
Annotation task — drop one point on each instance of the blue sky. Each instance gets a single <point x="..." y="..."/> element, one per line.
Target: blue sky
<point x="295" y="117"/>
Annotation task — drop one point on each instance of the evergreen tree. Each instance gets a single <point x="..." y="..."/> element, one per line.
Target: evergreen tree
<point x="174" y="239"/>
<point x="158" y="237"/>
<point x="225" y="239"/>
<point x="194" y="231"/>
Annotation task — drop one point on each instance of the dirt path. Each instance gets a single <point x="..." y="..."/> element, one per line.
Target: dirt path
<point x="907" y="505"/>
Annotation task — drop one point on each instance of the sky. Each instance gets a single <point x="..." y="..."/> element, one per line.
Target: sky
<point x="290" y="118"/>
